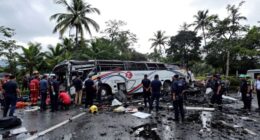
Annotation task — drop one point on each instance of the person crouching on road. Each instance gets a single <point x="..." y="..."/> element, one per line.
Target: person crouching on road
<point x="64" y="99"/>
<point x="156" y="91"/>
<point x="177" y="96"/>
<point x="90" y="92"/>
<point x="217" y="96"/>
<point x="146" y="90"/>
<point x="43" y="91"/>
<point x="11" y="90"/>
<point x="34" y="90"/>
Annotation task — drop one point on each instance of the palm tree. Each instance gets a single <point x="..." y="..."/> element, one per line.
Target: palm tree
<point x="75" y="18"/>
<point x="159" y="40"/>
<point x="31" y="58"/>
<point x="203" y="22"/>
<point x="56" y="54"/>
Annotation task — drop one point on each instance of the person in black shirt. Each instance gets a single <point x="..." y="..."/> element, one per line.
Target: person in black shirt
<point x="243" y="90"/>
<point x="217" y="96"/>
<point x="77" y="83"/>
<point x="10" y="89"/>
<point x="55" y="88"/>
<point x="90" y="92"/>
<point x="156" y="91"/>
<point x="146" y="90"/>
<point x="177" y="95"/>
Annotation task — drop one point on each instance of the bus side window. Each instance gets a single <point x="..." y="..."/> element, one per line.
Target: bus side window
<point x="152" y="66"/>
<point x="131" y="66"/>
<point x="161" y="67"/>
<point x="141" y="66"/>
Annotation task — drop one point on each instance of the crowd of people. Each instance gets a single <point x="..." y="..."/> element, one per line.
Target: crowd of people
<point x="40" y="88"/>
<point x="43" y="88"/>
<point x="152" y="89"/>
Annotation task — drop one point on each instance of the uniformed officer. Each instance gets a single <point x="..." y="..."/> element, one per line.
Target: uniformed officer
<point x="248" y="97"/>
<point x="90" y="92"/>
<point x="146" y="90"/>
<point x="243" y="89"/>
<point x="177" y="96"/>
<point x="217" y="96"/>
<point x="156" y="91"/>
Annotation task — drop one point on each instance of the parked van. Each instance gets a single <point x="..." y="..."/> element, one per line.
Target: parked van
<point x="253" y="73"/>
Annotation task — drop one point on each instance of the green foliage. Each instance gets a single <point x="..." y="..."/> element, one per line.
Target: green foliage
<point x="185" y="47"/>
<point x="8" y="48"/>
<point x="159" y="41"/>
<point x="199" y="69"/>
<point x="76" y="17"/>
<point x="32" y="58"/>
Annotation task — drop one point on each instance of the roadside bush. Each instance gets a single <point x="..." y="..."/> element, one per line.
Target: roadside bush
<point x="234" y="82"/>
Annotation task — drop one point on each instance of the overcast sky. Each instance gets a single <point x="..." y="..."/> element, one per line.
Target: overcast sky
<point x="30" y="18"/>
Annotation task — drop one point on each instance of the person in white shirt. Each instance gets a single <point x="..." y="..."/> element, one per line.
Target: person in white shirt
<point x="257" y="90"/>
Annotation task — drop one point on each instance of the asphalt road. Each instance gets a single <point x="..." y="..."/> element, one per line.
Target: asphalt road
<point x="107" y="125"/>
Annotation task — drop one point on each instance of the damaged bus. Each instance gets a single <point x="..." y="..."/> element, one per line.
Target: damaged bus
<point x="114" y="74"/>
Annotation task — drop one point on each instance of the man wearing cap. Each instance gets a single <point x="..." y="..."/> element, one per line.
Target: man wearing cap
<point x="177" y="96"/>
<point x="146" y="90"/>
<point x="257" y="90"/>
<point x="217" y="97"/>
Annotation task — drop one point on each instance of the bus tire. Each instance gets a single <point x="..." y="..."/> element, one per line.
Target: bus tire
<point x="106" y="91"/>
<point x="167" y="87"/>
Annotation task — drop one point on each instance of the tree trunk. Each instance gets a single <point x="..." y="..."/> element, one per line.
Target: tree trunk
<point x="76" y="39"/>
<point x="227" y="64"/>
<point x="204" y="36"/>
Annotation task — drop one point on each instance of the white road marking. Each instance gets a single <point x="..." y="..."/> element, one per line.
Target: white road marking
<point x="54" y="127"/>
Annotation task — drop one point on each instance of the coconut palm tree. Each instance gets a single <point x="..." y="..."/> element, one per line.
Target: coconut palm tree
<point x="75" y="18"/>
<point x="204" y="22"/>
<point x="31" y="58"/>
<point x="201" y="22"/>
<point x="159" y="41"/>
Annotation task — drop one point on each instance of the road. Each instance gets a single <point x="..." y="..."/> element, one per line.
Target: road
<point x="107" y="125"/>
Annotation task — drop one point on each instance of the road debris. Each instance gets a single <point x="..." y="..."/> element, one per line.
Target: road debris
<point x="141" y="115"/>
<point x="199" y="108"/>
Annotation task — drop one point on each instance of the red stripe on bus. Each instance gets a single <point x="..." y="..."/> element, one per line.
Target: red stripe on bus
<point x="135" y="88"/>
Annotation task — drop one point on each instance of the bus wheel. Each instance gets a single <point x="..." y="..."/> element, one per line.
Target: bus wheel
<point x="105" y="92"/>
<point x="167" y="87"/>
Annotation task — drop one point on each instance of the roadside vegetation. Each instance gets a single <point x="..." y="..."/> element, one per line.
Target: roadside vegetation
<point x="208" y="45"/>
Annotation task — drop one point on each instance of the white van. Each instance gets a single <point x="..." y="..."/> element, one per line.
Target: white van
<point x="253" y="73"/>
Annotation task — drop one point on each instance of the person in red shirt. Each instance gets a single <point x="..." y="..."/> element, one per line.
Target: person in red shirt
<point x="65" y="99"/>
<point x="34" y="90"/>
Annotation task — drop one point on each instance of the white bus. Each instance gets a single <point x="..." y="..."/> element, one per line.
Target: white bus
<point x="115" y="72"/>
